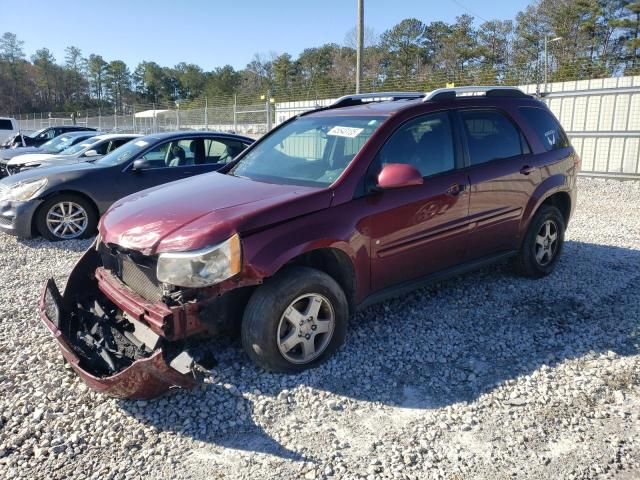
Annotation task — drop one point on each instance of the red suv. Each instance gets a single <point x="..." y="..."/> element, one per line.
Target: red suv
<point x="333" y="210"/>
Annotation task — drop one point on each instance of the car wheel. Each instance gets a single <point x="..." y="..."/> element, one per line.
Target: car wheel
<point x="295" y="321"/>
<point x="66" y="217"/>
<point x="542" y="243"/>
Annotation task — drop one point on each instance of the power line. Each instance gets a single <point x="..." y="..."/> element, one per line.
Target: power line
<point x="469" y="11"/>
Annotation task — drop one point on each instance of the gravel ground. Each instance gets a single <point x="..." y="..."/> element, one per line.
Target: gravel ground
<point x="487" y="376"/>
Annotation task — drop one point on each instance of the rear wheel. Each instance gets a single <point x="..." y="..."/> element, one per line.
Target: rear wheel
<point x="542" y="244"/>
<point x="66" y="217"/>
<point x="295" y="321"/>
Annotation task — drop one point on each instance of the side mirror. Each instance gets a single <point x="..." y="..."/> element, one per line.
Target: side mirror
<point x="140" y="164"/>
<point x="90" y="153"/>
<point x="398" y="175"/>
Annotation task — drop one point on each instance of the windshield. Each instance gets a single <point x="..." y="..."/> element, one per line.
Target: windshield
<point x="36" y="133"/>
<point x="78" y="147"/>
<point x="123" y="153"/>
<point x="57" y="144"/>
<point x="308" y="151"/>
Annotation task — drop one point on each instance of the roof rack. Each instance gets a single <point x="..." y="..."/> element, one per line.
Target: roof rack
<point x="489" y="91"/>
<point x="361" y="98"/>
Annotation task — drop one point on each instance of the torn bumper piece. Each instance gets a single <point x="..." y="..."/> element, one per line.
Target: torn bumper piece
<point x="144" y="378"/>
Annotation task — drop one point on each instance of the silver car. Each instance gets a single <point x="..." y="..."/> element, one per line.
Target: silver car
<point x="87" y="150"/>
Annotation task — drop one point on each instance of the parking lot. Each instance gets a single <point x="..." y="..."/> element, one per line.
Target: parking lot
<point x="484" y="376"/>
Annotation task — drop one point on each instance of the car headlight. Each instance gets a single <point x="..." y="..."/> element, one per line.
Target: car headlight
<point x="22" y="191"/>
<point x="201" y="268"/>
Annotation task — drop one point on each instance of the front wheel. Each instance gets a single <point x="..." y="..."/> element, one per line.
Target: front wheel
<point x="542" y="243"/>
<point x="295" y="321"/>
<point x="66" y="217"/>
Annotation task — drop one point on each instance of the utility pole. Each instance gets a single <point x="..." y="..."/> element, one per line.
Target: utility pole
<point x="360" y="46"/>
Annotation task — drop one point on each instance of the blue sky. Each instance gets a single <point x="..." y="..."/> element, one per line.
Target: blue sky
<point x="214" y="33"/>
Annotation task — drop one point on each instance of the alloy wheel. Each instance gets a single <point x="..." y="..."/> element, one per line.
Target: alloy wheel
<point x="67" y="220"/>
<point x="306" y="328"/>
<point x="546" y="244"/>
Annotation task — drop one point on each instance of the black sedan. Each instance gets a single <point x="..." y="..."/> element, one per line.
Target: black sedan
<point x="41" y="136"/>
<point x="65" y="202"/>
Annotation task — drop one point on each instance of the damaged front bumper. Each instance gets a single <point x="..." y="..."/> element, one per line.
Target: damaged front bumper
<point x="113" y="352"/>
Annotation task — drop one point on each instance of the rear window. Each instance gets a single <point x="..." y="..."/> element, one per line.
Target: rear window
<point x="546" y="128"/>
<point x="491" y="136"/>
<point x="6" y="124"/>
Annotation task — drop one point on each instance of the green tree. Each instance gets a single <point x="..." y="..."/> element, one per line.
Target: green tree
<point x="75" y="64"/>
<point x="96" y="72"/>
<point x="45" y="81"/>
<point x="12" y="55"/>
<point x="405" y="45"/>
<point x="629" y="25"/>
<point x="118" y="83"/>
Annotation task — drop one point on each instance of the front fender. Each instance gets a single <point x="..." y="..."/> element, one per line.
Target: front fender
<point x="267" y="252"/>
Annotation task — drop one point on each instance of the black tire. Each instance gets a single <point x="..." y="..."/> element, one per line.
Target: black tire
<point x="41" y="217"/>
<point x="261" y="323"/>
<point x="526" y="262"/>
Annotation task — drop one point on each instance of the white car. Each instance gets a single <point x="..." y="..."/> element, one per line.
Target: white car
<point x="87" y="150"/>
<point x="8" y="128"/>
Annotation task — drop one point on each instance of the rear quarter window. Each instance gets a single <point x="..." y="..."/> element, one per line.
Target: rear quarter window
<point x="546" y="128"/>
<point x="491" y="136"/>
<point x="6" y="125"/>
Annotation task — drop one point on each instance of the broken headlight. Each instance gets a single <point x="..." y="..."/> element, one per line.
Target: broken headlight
<point x="22" y="191"/>
<point x="201" y="268"/>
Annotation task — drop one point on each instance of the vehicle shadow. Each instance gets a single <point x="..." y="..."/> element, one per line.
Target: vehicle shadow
<point x="438" y="346"/>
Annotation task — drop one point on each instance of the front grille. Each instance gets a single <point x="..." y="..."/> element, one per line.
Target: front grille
<point x="12" y="169"/>
<point x="3" y="169"/>
<point x="5" y="222"/>
<point x="138" y="272"/>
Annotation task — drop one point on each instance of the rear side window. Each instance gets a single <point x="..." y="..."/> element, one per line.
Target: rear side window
<point x="6" y="125"/>
<point x="491" y="136"/>
<point x="546" y="127"/>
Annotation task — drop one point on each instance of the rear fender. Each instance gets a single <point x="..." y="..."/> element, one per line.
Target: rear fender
<point x="551" y="185"/>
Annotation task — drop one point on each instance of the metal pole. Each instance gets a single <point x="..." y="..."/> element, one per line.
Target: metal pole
<point x="268" y="110"/>
<point x="206" y="113"/>
<point x="155" y="120"/>
<point x="546" y="60"/>
<point x="115" y="119"/>
<point x="178" y="117"/>
<point x="235" y="113"/>
<point x="360" y="46"/>
<point x="133" y="117"/>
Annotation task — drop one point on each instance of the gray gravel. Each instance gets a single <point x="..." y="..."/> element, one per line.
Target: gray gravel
<point x="485" y="376"/>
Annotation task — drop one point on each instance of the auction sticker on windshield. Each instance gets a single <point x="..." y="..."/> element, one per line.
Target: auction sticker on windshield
<point x="348" y="132"/>
<point x="141" y="143"/>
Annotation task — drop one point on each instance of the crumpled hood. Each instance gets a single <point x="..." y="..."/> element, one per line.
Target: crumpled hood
<point x="30" y="157"/>
<point x="203" y="210"/>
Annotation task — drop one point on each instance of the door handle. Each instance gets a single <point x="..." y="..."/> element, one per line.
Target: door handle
<point x="527" y="169"/>
<point x="455" y="189"/>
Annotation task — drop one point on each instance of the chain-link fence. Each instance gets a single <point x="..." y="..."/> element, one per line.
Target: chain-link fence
<point x="226" y="115"/>
<point x="601" y="116"/>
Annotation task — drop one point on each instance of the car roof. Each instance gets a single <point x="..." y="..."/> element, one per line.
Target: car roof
<point x="391" y="107"/>
<point x="115" y="136"/>
<point x="385" y="109"/>
<point x="193" y="134"/>
<point x="79" y="133"/>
